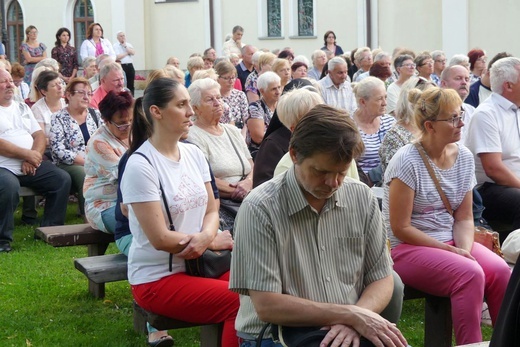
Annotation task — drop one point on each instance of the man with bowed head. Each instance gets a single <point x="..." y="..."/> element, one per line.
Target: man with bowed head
<point x="111" y="78"/>
<point x="312" y="269"/>
<point x="335" y="89"/>
<point x="22" y="143"/>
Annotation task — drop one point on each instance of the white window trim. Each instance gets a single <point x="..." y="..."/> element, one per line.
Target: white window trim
<point x="293" y="20"/>
<point x="262" y="23"/>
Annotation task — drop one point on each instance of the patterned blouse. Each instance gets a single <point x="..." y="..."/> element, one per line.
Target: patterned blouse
<point x="251" y="81"/>
<point x="395" y="138"/>
<point x="67" y="57"/>
<point x="100" y="187"/>
<point x="237" y="111"/>
<point x="33" y="52"/>
<point x="66" y="138"/>
<point x="258" y="110"/>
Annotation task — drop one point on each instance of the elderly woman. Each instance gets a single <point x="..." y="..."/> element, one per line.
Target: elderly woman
<point x="71" y="129"/>
<point x="237" y="111"/>
<point x="460" y="59"/>
<point x="405" y="68"/>
<point x="298" y="70"/>
<point x="156" y="260"/>
<point x="261" y="111"/>
<point x="95" y="44"/>
<point x="32" y="51"/>
<point x="404" y="130"/>
<point x="48" y="83"/>
<point x="89" y="67"/>
<point x="265" y="62"/>
<point x="65" y="55"/>
<point x="319" y="59"/>
<point x="282" y="67"/>
<point x="222" y="144"/>
<point x="477" y="64"/>
<point x="372" y="123"/>
<point x="103" y="152"/>
<point x="424" y="65"/>
<point x="432" y="242"/>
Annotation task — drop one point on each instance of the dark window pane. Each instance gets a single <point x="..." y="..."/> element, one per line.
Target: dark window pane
<point x="274" y="18"/>
<point x="79" y="9"/>
<point x="305" y="18"/>
<point x="15" y="31"/>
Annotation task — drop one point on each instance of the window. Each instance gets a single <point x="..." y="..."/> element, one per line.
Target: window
<point x="15" y="31"/>
<point x="274" y="18"/>
<point x="305" y="18"/>
<point x="83" y="17"/>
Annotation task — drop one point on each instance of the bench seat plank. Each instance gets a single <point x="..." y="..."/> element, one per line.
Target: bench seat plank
<point x="72" y="235"/>
<point x="103" y="268"/>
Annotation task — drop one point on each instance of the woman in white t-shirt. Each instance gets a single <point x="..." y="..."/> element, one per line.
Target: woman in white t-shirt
<point x="433" y="250"/>
<point x="183" y="172"/>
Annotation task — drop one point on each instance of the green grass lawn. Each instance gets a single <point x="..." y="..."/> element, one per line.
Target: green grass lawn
<point x="44" y="301"/>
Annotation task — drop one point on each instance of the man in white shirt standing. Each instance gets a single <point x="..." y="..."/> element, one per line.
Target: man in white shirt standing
<point x="124" y="52"/>
<point x="493" y="135"/>
<point x="22" y="143"/>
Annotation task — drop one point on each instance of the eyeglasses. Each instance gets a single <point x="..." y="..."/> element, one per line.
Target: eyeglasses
<point x="121" y="127"/>
<point x="211" y="101"/>
<point x="83" y="93"/>
<point x="455" y="121"/>
<point x="228" y="79"/>
<point x="442" y="61"/>
<point x="412" y="65"/>
<point x="428" y="62"/>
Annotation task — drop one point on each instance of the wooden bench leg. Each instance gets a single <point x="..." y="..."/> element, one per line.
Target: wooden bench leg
<point x="97" y="249"/>
<point x="139" y="320"/>
<point x="209" y="334"/>
<point x="437" y="322"/>
<point x="96" y="289"/>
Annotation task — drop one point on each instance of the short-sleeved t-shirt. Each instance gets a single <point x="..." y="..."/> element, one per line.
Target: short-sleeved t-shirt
<point x="429" y="214"/>
<point x="184" y="185"/>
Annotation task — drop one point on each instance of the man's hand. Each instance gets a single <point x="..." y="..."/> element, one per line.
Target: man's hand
<point x="340" y="335"/>
<point x="28" y="169"/>
<point x="378" y="330"/>
<point x="33" y="157"/>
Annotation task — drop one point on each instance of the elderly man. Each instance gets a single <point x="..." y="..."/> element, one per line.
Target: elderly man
<point x="311" y="268"/>
<point x="22" y="143"/>
<point x="246" y="65"/>
<point x="110" y="78"/>
<point x="439" y="63"/>
<point x="124" y="53"/>
<point x="383" y="58"/>
<point x="363" y="58"/>
<point x="493" y="135"/>
<point x="234" y="44"/>
<point x="335" y="89"/>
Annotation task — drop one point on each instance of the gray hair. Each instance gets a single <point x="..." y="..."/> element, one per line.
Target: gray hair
<point x="87" y="61"/>
<point x="106" y="68"/>
<point x="316" y="54"/>
<point x="294" y="104"/>
<point x="382" y="55"/>
<point x="335" y="62"/>
<point x="504" y="70"/>
<point x="49" y="62"/>
<point x="365" y="87"/>
<point x="359" y="53"/>
<point x="197" y="87"/>
<point x="437" y="54"/>
<point x="301" y="59"/>
<point x="459" y="59"/>
<point x="265" y="79"/>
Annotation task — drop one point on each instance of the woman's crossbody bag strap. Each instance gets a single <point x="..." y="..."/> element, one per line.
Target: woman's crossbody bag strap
<point x="434" y="178"/>
<point x="237" y="152"/>
<point x="172" y="228"/>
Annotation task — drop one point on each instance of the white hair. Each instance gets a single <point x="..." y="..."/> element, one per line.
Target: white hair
<point x="335" y="62"/>
<point x="504" y="70"/>
<point x="301" y="59"/>
<point x="197" y="87"/>
<point x="459" y="59"/>
<point x="267" y="78"/>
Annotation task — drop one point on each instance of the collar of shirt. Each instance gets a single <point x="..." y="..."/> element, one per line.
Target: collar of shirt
<point x="327" y="83"/>
<point x="503" y="102"/>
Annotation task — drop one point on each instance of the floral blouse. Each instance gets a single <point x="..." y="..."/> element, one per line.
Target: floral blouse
<point x="100" y="187"/>
<point x="251" y="81"/>
<point x="258" y="110"/>
<point x="67" y="57"/>
<point x="237" y="111"/>
<point x="395" y="138"/>
<point x="66" y="138"/>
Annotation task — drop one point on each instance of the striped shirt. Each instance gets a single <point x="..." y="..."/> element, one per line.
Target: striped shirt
<point x="341" y="97"/>
<point x="429" y="214"/>
<point x="283" y="245"/>
<point x="370" y="158"/>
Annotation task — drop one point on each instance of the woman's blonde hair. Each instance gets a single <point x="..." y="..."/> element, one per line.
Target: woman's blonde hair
<point x="431" y="104"/>
<point x="294" y="104"/>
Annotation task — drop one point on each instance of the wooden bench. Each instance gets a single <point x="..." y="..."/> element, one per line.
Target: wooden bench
<point x="437" y="317"/>
<point x="102" y="269"/>
<point x="210" y="335"/>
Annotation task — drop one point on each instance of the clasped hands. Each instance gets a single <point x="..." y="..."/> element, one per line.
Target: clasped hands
<point x="32" y="162"/>
<point x="242" y="188"/>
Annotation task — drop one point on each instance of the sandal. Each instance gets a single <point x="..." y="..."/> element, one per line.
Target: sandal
<point x="164" y="341"/>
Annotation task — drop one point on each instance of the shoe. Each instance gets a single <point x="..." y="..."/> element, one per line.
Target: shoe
<point x="164" y="341"/>
<point x="5" y="247"/>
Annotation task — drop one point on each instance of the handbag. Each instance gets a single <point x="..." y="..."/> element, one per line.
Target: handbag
<point x="293" y="336"/>
<point x="485" y="237"/>
<point x="211" y="264"/>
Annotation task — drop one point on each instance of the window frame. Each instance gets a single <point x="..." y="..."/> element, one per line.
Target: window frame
<point x="294" y="20"/>
<point x="84" y="21"/>
<point x="14" y="53"/>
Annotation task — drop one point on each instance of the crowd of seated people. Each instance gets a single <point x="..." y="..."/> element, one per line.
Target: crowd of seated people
<point x="232" y="112"/>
